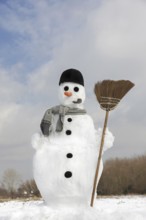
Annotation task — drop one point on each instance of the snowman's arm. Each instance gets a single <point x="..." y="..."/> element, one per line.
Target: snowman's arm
<point x="108" y="140"/>
<point x="38" y="141"/>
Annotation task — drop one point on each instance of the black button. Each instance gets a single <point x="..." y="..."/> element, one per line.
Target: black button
<point x="69" y="155"/>
<point x="68" y="132"/>
<point x="68" y="174"/>
<point x="69" y="119"/>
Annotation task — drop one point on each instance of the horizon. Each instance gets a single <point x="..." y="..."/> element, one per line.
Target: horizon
<point x="40" y="39"/>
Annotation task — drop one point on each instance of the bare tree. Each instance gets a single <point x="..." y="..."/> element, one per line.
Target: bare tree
<point x="11" y="181"/>
<point x="29" y="189"/>
<point x="3" y="193"/>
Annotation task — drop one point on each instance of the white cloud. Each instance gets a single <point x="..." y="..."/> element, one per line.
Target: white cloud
<point x="10" y="89"/>
<point x="106" y="40"/>
<point x="39" y="26"/>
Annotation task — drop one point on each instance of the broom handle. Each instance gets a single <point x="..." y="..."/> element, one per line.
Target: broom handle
<point x="99" y="158"/>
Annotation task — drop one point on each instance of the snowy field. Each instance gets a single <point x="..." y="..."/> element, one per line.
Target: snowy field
<point x="114" y="208"/>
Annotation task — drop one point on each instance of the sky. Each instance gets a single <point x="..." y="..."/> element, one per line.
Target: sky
<point x="104" y="39"/>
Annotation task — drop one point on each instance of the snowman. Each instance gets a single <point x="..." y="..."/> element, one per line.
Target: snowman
<point x="67" y="148"/>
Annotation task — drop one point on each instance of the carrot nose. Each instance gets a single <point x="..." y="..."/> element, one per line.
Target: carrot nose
<point x="68" y="94"/>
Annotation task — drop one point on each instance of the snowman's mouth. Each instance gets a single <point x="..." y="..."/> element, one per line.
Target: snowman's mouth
<point x="78" y="101"/>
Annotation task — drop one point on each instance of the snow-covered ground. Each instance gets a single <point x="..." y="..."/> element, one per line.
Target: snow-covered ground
<point x="113" y="208"/>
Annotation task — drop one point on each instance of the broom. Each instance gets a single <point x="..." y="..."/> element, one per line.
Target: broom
<point x="108" y="94"/>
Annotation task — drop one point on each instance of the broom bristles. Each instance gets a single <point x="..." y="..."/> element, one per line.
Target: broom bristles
<point x="110" y="92"/>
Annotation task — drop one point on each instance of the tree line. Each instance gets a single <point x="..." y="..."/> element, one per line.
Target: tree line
<point x="119" y="177"/>
<point x="13" y="187"/>
<point x="123" y="176"/>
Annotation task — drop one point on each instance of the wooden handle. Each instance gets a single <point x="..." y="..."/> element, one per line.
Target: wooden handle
<point x="99" y="158"/>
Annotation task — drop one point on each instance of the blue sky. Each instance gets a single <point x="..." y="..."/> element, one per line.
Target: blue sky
<point x="38" y="26"/>
<point x="40" y="39"/>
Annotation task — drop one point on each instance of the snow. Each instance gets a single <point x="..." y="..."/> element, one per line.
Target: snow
<point x="112" y="208"/>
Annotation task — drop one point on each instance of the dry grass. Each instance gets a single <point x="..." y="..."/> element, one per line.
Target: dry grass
<point x="123" y="176"/>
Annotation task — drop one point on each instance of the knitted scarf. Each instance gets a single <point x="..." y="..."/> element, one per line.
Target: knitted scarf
<point x="61" y="111"/>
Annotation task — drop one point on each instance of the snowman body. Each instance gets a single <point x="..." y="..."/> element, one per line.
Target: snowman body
<point x="64" y="166"/>
<point x="65" y="160"/>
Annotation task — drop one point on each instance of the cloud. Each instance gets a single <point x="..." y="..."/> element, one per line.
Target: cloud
<point x="37" y="28"/>
<point x="103" y="39"/>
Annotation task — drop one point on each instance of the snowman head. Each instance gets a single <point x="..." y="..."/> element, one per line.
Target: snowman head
<point x="71" y="88"/>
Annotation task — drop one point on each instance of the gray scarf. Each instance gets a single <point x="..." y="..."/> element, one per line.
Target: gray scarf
<point x="61" y="111"/>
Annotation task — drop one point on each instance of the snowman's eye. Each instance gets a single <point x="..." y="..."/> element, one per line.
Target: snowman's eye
<point x="66" y="88"/>
<point x="76" y="89"/>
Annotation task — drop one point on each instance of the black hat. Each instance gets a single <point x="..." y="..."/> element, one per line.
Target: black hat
<point x="72" y="75"/>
